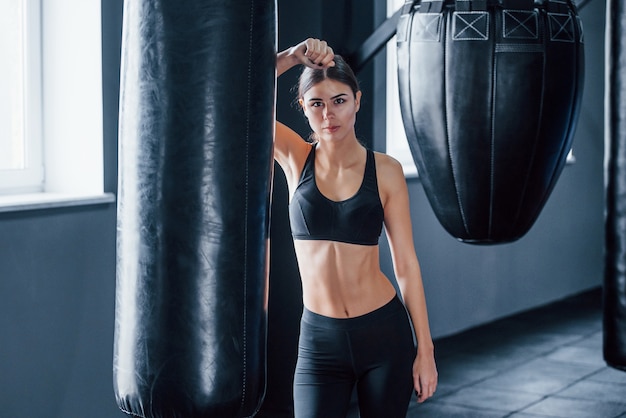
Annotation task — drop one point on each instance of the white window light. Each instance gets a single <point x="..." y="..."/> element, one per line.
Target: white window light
<point x="66" y="134"/>
<point x="21" y="167"/>
<point x="397" y="144"/>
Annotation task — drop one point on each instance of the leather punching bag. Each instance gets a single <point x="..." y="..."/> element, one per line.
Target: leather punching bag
<point x="615" y="180"/>
<point x="195" y="164"/>
<point x="490" y="93"/>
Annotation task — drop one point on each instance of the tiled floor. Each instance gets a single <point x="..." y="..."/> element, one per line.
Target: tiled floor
<point x="543" y="363"/>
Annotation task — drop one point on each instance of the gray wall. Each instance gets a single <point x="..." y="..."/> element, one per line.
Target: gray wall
<point x="57" y="279"/>
<point x="57" y="267"/>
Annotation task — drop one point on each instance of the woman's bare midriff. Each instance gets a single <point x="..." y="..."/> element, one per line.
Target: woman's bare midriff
<point x="341" y="280"/>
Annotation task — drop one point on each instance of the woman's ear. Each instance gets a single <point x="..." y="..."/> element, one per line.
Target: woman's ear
<point x="301" y="103"/>
<point x="357" y="100"/>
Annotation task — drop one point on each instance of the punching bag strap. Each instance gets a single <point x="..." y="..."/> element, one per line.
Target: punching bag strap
<point x="518" y="4"/>
<point x="560" y="6"/>
<point x="470" y="5"/>
<point x="428" y="6"/>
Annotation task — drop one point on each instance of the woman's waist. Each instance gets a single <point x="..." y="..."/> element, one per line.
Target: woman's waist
<point x="389" y="308"/>
<point x="345" y="296"/>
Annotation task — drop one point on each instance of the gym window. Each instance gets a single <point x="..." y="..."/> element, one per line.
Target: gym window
<point x="20" y="85"/>
<point x="397" y="145"/>
<point x="51" y="147"/>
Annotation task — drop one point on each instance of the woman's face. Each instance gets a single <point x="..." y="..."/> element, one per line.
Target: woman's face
<point x="331" y="108"/>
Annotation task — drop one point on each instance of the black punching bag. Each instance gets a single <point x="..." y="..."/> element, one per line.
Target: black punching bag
<point x="615" y="180"/>
<point x="195" y="162"/>
<point x="490" y="93"/>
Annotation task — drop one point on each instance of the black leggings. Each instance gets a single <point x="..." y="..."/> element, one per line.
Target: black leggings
<point x="374" y="351"/>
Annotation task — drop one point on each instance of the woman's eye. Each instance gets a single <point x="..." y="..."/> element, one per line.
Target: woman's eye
<point x="340" y="101"/>
<point x="316" y="104"/>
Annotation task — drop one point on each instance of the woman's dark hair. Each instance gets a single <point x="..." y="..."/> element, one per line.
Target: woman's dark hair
<point x="340" y="72"/>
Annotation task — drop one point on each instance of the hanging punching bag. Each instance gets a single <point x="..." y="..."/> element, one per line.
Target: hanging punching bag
<point x="489" y="92"/>
<point x="196" y="128"/>
<point x="615" y="180"/>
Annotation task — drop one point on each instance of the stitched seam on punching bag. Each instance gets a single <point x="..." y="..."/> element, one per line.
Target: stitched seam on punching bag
<point x="245" y="249"/>
<point x="446" y="55"/>
<point x="540" y="122"/>
<point x="492" y="156"/>
<point x="573" y="108"/>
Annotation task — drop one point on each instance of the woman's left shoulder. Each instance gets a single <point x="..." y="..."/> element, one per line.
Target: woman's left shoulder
<point x="387" y="166"/>
<point x="390" y="176"/>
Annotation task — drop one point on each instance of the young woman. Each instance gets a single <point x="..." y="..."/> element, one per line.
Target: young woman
<point x="355" y="330"/>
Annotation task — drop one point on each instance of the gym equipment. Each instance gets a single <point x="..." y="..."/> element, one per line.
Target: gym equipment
<point x="615" y="173"/>
<point x="195" y="168"/>
<point x="490" y="93"/>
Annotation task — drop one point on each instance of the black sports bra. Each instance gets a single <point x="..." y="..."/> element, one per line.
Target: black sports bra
<point x="356" y="220"/>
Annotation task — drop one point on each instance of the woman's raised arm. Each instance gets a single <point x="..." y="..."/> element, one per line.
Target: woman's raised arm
<point x="290" y="150"/>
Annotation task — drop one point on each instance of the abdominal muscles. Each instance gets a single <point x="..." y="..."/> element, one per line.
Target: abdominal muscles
<point x="341" y="280"/>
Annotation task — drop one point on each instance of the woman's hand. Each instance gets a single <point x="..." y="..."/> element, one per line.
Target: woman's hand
<point x="424" y="375"/>
<point x="314" y="53"/>
<point x="311" y="52"/>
